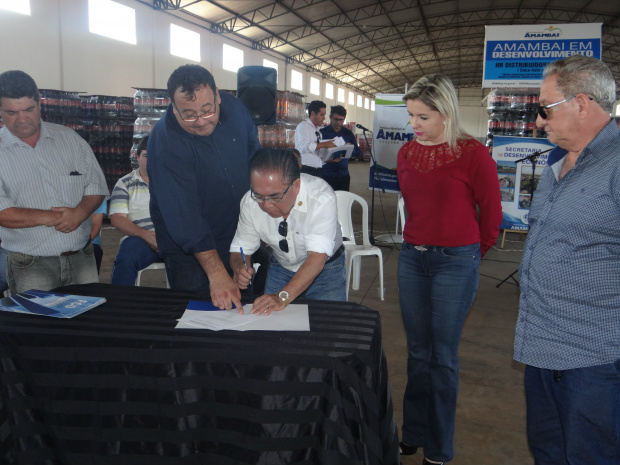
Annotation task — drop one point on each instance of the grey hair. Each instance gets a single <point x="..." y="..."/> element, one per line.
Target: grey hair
<point x="437" y="92"/>
<point x="579" y="74"/>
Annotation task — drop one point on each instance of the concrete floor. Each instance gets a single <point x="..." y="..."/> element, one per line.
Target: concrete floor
<point x="490" y="418"/>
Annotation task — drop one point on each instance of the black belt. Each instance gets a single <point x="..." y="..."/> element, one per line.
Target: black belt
<point x="73" y="252"/>
<point x="425" y="247"/>
<point x="337" y="254"/>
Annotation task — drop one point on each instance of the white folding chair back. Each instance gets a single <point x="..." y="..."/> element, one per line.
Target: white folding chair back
<point x="401" y="212"/>
<point x="354" y="251"/>
<point x="153" y="266"/>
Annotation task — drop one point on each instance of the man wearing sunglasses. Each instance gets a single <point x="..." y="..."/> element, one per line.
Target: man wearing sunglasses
<point x="568" y="329"/>
<point x="296" y="215"/>
<point x="198" y="172"/>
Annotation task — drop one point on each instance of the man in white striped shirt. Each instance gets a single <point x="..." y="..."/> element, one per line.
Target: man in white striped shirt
<point x="50" y="183"/>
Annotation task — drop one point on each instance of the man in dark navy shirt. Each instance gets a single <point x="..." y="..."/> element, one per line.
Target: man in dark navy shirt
<point x="198" y="169"/>
<point x="336" y="172"/>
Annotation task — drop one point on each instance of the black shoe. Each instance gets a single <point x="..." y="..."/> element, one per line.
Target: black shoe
<point x="406" y="449"/>
<point x="426" y="462"/>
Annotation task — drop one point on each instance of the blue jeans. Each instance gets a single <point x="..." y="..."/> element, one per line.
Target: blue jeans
<point x="4" y="285"/>
<point x="134" y="254"/>
<point x="573" y="416"/>
<point x="437" y="287"/>
<point x="45" y="273"/>
<point x="330" y="284"/>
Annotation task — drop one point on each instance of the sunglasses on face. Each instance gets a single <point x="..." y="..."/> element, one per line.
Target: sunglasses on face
<point x="542" y="110"/>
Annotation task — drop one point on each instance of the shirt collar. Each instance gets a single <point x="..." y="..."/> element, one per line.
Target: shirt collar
<point x="594" y="148"/>
<point x="599" y="144"/>
<point x="301" y="202"/>
<point x="137" y="176"/>
<point x="7" y="138"/>
<point x="598" y="147"/>
<point x="556" y="155"/>
<point x="309" y="121"/>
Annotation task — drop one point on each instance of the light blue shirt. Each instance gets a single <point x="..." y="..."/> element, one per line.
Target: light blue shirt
<point x="569" y="312"/>
<point x="103" y="209"/>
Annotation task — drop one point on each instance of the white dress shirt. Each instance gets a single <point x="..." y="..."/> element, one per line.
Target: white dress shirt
<point x="312" y="225"/>
<point x="307" y="136"/>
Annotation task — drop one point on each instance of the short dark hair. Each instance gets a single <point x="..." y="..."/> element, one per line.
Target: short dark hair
<point x="142" y="145"/>
<point x="17" y="84"/>
<point x="297" y="154"/>
<point x="187" y="79"/>
<point x="338" y="110"/>
<point x="315" y="106"/>
<point x="274" y="160"/>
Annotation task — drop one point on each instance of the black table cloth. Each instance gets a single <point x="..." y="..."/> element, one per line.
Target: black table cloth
<point x="120" y="385"/>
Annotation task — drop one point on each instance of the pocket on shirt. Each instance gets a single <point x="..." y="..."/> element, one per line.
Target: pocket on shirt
<point x="70" y="190"/>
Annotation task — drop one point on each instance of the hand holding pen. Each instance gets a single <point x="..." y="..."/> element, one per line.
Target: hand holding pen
<point x="248" y="272"/>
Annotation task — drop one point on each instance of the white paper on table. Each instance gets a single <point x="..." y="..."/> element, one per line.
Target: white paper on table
<point x="292" y="318"/>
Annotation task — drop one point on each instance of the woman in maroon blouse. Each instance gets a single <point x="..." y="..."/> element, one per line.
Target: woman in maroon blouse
<point x="451" y="191"/>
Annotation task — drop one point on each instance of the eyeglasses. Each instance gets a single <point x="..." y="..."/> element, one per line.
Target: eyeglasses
<point x="318" y="136"/>
<point x="542" y="110"/>
<point x="283" y="231"/>
<point x="340" y="120"/>
<point x="275" y="198"/>
<point x="192" y="119"/>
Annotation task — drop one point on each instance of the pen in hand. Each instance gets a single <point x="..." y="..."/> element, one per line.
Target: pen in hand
<point x="245" y="264"/>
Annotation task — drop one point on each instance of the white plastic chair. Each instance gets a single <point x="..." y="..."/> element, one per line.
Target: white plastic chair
<point x="396" y="237"/>
<point x="353" y="251"/>
<point x="401" y="212"/>
<point x="153" y="266"/>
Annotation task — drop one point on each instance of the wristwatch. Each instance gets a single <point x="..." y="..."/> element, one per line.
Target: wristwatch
<point x="283" y="296"/>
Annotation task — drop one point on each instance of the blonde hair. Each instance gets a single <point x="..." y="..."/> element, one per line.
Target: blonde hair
<point x="437" y="92"/>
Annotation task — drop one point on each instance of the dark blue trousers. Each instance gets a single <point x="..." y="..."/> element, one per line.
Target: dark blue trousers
<point x="573" y="416"/>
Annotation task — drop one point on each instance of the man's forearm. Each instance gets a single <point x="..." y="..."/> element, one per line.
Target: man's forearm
<point x="211" y="263"/>
<point x="236" y="260"/>
<point x="325" y="145"/>
<point x="121" y="222"/>
<point x="95" y="228"/>
<point x="306" y="274"/>
<point x="89" y="204"/>
<point x="26" y="217"/>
